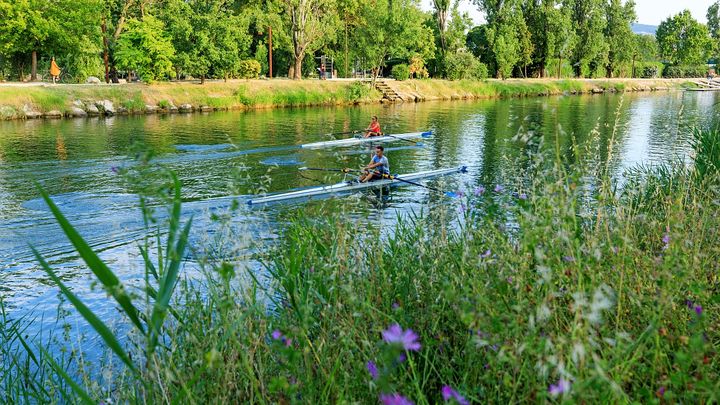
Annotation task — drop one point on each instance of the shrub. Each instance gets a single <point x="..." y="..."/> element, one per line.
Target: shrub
<point x="357" y="91"/>
<point x="249" y="69"/>
<point x="417" y="68"/>
<point x="685" y="71"/>
<point x="401" y="72"/>
<point x="463" y="65"/>
<point x="649" y="70"/>
<point x="482" y="71"/>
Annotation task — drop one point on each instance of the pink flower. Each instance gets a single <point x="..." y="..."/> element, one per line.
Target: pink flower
<point x="395" y="399"/>
<point x="449" y="393"/>
<point x="561" y="387"/>
<point x="406" y="338"/>
<point x="372" y="369"/>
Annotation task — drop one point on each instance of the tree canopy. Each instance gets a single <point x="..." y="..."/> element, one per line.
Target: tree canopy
<point x="217" y="39"/>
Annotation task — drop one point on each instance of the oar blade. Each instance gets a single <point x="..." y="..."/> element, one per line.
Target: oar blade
<point x="452" y="194"/>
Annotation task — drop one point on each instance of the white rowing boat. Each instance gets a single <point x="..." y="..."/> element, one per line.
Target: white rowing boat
<point x="353" y="185"/>
<point x="359" y="140"/>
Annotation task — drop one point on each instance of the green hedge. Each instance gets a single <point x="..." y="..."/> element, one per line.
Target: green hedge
<point x="401" y="72"/>
<point x="685" y="71"/>
<point x="464" y="65"/>
<point x="249" y="69"/>
<point x="649" y="70"/>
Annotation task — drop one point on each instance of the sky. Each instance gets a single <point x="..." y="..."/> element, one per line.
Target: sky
<point x="651" y="12"/>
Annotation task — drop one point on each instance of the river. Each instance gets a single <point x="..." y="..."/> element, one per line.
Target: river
<point x="223" y="156"/>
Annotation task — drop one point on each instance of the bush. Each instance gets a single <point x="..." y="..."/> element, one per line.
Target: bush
<point x="685" y="71"/>
<point x="649" y="70"/>
<point x="249" y="69"/>
<point x="417" y="68"/>
<point x="357" y="91"/>
<point x="482" y="71"/>
<point x="463" y="65"/>
<point x="401" y="72"/>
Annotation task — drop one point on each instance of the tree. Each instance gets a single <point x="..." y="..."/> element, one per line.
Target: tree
<point x="589" y="21"/>
<point x="618" y="34"/>
<point x="70" y="29"/>
<point x="682" y="40"/>
<point x="145" y="48"/>
<point x="713" y="19"/>
<point x="395" y="29"/>
<point x="562" y="36"/>
<point x="311" y="24"/>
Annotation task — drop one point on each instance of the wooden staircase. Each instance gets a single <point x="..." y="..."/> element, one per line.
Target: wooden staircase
<point x="708" y="84"/>
<point x="388" y="92"/>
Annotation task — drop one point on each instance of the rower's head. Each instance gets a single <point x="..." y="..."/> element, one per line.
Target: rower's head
<point x="374" y="118"/>
<point x="379" y="150"/>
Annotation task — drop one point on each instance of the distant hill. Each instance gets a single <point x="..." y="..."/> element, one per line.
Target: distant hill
<point x="644" y="29"/>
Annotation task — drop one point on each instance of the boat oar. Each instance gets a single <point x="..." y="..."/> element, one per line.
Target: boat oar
<point x="403" y="139"/>
<point x="447" y="193"/>
<point x="343" y="133"/>
<point x="345" y="170"/>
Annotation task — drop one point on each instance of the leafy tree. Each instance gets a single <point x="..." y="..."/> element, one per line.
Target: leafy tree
<point x="441" y="14"/>
<point x="68" y="29"/>
<point x="588" y="18"/>
<point x="396" y="30"/>
<point x="209" y="37"/>
<point x="478" y="43"/>
<point x="618" y="34"/>
<point x="562" y="36"/>
<point x="713" y="19"/>
<point x="311" y="23"/>
<point x="682" y="40"/>
<point x="145" y="48"/>
<point x="506" y="48"/>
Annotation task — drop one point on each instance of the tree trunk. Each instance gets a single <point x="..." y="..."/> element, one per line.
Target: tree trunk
<point x="103" y="27"/>
<point x="33" y="69"/>
<point x="542" y="69"/>
<point x="202" y="79"/>
<point x="297" y="67"/>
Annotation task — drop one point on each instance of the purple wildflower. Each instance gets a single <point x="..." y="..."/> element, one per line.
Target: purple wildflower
<point x="479" y="191"/>
<point x="401" y="358"/>
<point x="395" y="399"/>
<point x="698" y="309"/>
<point x="568" y="258"/>
<point x="407" y="338"/>
<point x="486" y="254"/>
<point x="114" y="169"/>
<point x="462" y="208"/>
<point x="395" y="305"/>
<point x="459" y="193"/>
<point x="276" y="334"/>
<point x="372" y="369"/>
<point x="498" y="188"/>
<point x="510" y="280"/>
<point x="666" y="239"/>
<point x="522" y="196"/>
<point x="288" y="342"/>
<point x="561" y="387"/>
<point x="449" y="393"/>
<point x="660" y="392"/>
<point x="689" y="304"/>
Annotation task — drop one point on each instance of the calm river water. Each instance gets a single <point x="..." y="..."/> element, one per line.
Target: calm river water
<point x="222" y="156"/>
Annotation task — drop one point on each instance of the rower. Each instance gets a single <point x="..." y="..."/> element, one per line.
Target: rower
<point x="378" y="166"/>
<point x="373" y="129"/>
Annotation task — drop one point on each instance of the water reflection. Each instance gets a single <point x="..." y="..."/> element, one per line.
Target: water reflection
<point x="74" y="160"/>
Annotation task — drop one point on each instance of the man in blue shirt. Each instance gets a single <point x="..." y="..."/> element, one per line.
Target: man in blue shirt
<point x="377" y="167"/>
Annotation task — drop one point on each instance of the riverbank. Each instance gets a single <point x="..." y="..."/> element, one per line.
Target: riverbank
<point x="19" y="101"/>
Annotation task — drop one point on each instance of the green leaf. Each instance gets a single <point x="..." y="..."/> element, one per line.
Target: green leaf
<point x="81" y="393"/>
<point x="89" y="316"/>
<point x="97" y="266"/>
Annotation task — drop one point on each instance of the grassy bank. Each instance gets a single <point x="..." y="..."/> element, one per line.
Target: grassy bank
<point x="558" y="286"/>
<point x="16" y="101"/>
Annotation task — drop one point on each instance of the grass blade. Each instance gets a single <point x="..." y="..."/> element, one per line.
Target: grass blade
<point x="97" y="266"/>
<point x="81" y="393"/>
<point x="89" y="316"/>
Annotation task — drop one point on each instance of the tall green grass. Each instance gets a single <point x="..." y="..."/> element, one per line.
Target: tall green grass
<point x="556" y="286"/>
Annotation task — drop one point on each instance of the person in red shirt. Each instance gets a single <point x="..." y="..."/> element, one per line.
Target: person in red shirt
<point x="373" y="129"/>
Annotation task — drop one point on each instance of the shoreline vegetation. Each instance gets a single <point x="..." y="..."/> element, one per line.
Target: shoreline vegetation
<point x="556" y="286"/>
<point x="77" y="101"/>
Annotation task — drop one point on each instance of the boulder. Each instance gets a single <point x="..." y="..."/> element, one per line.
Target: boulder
<point x="30" y="113"/>
<point x="597" y="90"/>
<point x="205" y="108"/>
<point x="151" y="109"/>
<point x="78" y="104"/>
<point x="76" y="112"/>
<point x="186" y="108"/>
<point x="92" y="110"/>
<point x="106" y="107"/>
<point x="53" y="114"/>
<point x="92" y="80"/>
<point x="7" y="113"/>
<point x="122" y="111"/>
